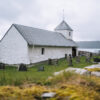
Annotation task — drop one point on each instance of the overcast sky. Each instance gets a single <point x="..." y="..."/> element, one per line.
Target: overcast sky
<point x="82" y="15"/>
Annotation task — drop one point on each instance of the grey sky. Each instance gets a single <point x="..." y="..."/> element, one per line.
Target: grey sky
<point x="82" y="15"/>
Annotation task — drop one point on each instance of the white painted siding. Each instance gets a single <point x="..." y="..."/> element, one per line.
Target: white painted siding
<point x="13" y="48"/>
<point x="66" y="33"/>
<point x="50" y="52"/>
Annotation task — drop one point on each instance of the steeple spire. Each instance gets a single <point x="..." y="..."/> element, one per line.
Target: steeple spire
<point x="64" y="28"/>
<point x="63" y="15"/>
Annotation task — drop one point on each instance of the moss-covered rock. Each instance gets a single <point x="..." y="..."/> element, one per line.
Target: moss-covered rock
<point x="93" y="69"/>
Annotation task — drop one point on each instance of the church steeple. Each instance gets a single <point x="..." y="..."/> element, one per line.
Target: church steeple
<point x="63" y="26"/>
<point x="65" y="29"/>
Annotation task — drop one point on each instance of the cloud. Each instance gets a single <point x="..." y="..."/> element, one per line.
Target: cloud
<point x="9" y="10"/>
<point x="82" y="15"/>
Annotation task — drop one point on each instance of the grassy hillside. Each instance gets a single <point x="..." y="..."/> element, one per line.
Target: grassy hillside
<point x="67" y="86"/>
<point x="10" y="76"/>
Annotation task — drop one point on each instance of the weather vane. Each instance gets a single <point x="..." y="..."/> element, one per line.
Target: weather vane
<point x="63" y="15"/>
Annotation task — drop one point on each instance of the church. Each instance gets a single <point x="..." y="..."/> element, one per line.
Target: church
<point x="24" y="44"/>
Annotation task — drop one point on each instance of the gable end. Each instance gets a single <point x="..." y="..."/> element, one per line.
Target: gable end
<point x="9" y="30"/>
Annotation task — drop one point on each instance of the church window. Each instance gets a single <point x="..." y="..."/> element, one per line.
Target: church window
<point x="69" y="33"/>
<point x="42" y="51"/>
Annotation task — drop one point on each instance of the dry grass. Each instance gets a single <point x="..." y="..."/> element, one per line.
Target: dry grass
<point x="68" y="86"/>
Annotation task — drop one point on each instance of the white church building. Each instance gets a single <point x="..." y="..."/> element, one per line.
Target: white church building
<point x="24" y="44"/>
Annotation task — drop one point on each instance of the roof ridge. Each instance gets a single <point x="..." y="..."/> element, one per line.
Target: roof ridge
<point x="35" y="37"/>
<point x="35" y="28"/>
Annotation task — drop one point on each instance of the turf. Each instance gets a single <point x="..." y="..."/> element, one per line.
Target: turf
<point x="11" y="76"/>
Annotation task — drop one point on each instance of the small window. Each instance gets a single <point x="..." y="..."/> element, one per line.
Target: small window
<point x="69" y="33"/>
<point x="42" y="51"/>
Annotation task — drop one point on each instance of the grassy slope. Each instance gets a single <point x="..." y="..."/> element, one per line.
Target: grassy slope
<point x="11" y="76"/>
<point x="67" y="86"/>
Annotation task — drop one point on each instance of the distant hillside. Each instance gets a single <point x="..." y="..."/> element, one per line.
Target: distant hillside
<point x="89" y="44"/>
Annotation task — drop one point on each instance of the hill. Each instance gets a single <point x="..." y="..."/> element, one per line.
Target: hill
<point x="89" y="44"/>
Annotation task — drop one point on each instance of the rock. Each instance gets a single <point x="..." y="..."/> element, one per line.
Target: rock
<point x="22" y="67"/>
<point x="75" y="70"/>
<point x="95" y="74"/>
<point x="77" y="59"/>
<point x="70" y="62"/>
<point x="83" y="72"/>
<point x="48" y="95"/>
<point x="55" y="61"/>
<point x="49" y="61"/>
<point x="41" y="68"/>
<point x="65" y="56"/>
<point x="50" y="77"/>
<point x="96" y="60"/>
<point x="57" y="73"/>
<point x="88" y="59"/>
<point x="78" y="71"/>
<point x="70" y="69"/>
<point x="2" y="66"/>
<point x="93" y="66"/>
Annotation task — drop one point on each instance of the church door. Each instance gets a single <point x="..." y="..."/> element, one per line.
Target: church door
<point x="74" y="52"/>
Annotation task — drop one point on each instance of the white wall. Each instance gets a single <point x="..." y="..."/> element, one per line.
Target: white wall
<point x="66" y="33"/>
<point x="50" y="52"/>
<point x="13" y="48"/>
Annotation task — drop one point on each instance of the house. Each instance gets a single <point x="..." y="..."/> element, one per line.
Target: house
<point x="23" y="44"/>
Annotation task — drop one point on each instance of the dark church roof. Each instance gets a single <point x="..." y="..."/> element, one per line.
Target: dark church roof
<point x="63" y="26"/>
<point x="89" y="44"/>
<point x="40" y="37"/>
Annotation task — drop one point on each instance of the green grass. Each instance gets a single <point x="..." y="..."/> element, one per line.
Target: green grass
<point x="10" y="76"/>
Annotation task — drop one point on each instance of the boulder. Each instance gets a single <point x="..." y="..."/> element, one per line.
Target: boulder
<point x="83" y="72"/>
<point x="57" y="73"/>
<point x="48" y="95"/>
<point x="96" y="60"/>
<point x="50" y="62"/>
<point x="77" y="59"/>
<point x="79" y="71"/>
<point x="65" y="56"/>
<point x="41" y="68"/>
<point x="75" y="70"/>
<point x="95" y="74"/>
<point x="93" y="66"/>
<point x="22" y="67"/>
<point x="2" y="66"/>
<point x="70" y="61"/>
<point x="55" y="61"/>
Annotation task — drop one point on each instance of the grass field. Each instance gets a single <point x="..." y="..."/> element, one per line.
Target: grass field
<point x="10" y="76"/>
<point x="67" y="86"/>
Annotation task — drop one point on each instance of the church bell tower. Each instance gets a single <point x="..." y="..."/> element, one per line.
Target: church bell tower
<point x="65" y="30"/>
